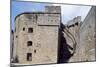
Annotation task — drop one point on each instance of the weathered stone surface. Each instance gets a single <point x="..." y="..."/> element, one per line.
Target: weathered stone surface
<point x="44" y="37"/>
<point x="88" y="37"/>
<point x="85" y="35"/>
<point x="74" y="28"/>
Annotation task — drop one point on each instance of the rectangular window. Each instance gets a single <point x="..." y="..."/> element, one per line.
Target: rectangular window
<point x="29" y="56"/>
<point x="29" y="43"/>
<point x="30" y="30"/>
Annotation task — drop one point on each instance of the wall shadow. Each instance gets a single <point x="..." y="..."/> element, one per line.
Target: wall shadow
<point x="63" y="52"/>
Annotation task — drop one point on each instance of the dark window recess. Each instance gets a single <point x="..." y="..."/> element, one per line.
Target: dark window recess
<point x="23" y="29"/>
<point x="16" y="36"/>
<point x="34" y="51"/>
<point x="29" y="56"/>
<point x="30" y="30"/>
<point x="29" y="43"/>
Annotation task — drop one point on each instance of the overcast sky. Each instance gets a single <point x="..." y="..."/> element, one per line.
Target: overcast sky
<point x="68" y="12"/>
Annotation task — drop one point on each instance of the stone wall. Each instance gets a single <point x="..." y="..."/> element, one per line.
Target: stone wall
<point x="85" y="37"/>
<point x="88" y="36"/>
<point x="44" y="37"/>
<point x="74" y="28"/>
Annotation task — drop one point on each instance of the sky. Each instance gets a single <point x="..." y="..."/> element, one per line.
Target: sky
<point x="68" y="12"/>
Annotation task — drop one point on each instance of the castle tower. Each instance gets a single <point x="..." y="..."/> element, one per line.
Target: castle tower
<point x="36" y="37"/>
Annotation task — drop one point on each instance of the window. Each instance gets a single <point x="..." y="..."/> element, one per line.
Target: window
<point x="35" y="51"/>
<point x="16" y="36"/>
<point x="29" y="56"/>
<point x="24" y="29"/>
<point x="29" y="43"/>
<point x="30" y="30"/>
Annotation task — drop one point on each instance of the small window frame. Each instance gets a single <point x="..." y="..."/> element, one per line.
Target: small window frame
<point x="30" y="30"/>
<point x="29" y="57"/>
<point x="29" y="43"/>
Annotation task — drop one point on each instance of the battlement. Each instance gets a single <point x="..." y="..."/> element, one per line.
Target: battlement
<point x="53" y="9"/>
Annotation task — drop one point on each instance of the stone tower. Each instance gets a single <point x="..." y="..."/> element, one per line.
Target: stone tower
<point x="36" y="36"/>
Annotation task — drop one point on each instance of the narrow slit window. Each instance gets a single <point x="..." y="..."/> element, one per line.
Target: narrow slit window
<point x="24" y="29"/>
